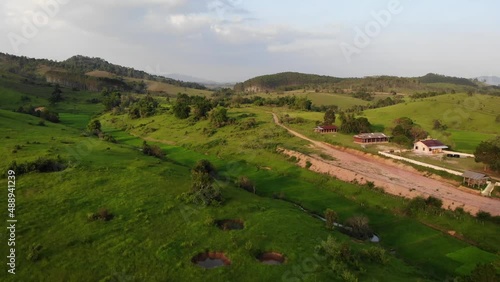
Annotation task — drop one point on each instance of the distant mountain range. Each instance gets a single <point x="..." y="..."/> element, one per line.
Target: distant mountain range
<point x="491" y="80"/>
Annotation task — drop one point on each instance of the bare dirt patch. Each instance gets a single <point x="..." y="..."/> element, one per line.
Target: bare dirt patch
<point x="395" y="178"/>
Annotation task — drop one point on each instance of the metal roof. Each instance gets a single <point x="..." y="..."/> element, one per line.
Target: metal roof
<point x="474" y="175"/>
<point x="328" y="127"/>
<point x="434" y="144"/>
<point x="371" y="135"/>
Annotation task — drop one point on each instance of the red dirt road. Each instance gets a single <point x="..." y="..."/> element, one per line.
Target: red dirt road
<point x="394" y="178"/>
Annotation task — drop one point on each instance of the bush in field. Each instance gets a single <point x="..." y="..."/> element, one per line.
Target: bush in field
<point x="248" y="124"/>
<point x="103" y="214"/>
<point x="247" y="184"/>
<point x="331" y="217"/>
<point x="203" y="191"/>
<point x="108" y="138"/>
<point x="308" y="164"/>
<point x="483" y="273"/>
<point x="340" y="258"/>
<point x="94" y="127"/>
<point x="205" y="166"/>
<point x="152" y="150"/>
<point x="218" y="117"/>
<point x="375" y="254"/>
<point x="358" y="227"/>
<point x="34" y="252"/>
<point x="434" y="202"/>
<point x="419" y="204"/>
<point x="42" y="164"/>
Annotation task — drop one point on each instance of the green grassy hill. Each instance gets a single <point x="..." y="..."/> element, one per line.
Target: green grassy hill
<point x="470" y="119"/>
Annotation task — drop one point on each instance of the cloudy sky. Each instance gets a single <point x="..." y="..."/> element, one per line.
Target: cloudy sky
<point x="232" y="40"/>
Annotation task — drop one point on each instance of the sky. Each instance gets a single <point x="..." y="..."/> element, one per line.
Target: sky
<point x="234" y="40"/>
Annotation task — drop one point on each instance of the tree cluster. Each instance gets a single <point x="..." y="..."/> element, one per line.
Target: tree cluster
<point x="406" y="132"/>
<point x="350" y="124"/>
<point x="488" y="153"/>
<point x="44" y="114"/>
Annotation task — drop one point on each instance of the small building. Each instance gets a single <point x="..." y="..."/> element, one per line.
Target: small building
<point x="474" y="178"/>
<point x="429" y="146"/>
<point x="326" y="129"/>
<point x="370" y="138"/>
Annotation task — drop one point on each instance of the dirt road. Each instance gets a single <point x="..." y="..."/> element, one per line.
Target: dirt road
<point x="394" y="178"/>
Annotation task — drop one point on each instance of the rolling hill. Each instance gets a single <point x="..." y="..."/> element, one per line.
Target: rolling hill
<point x="85" y="73"/>
<point x="292" y="81"/>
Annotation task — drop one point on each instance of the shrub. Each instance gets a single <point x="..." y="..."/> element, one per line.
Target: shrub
<point x="359" y="228"/>
<point x="41" y="123"/>
<point x="109" y="138"/>
<point x="308" y="164"/>
<point x="483" y="216"/>
<point x="248" y="124"/>
<point x="245" y="183"/>
<point x="42" y="164"/>
<point x="434" y="202"/>
<point x="415" y="205"/>
<point x="205" y="166"/>
<point x="375" y="254"/>
<point x="331" y="217"/>
<point x="152" y="150"/>
<point x="483" y="273"/>
<point x="103" y="214"/>
<point x="94" y="127"/>
<point x="34" y="252"/>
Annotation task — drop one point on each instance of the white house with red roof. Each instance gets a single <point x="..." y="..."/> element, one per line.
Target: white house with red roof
<point x="429" y="146"/>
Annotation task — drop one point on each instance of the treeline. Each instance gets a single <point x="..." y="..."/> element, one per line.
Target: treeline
<point x="284" y="80"/>
<point x="136" y="108"/>
<point x="83" y="64"/>
<point x="438" y="78"/>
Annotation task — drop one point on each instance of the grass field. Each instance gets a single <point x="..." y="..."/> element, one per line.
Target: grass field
<point x="153" y="235"/>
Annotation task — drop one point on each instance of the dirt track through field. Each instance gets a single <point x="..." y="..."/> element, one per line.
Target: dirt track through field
<point x="394" y="178"/>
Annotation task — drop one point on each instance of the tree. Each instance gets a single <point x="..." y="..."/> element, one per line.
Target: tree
<point x="202" y="189"/>
<point x="147" y="106"/>
<point x="329" y="117"/>
<point x="218" y="117"/>
<point x="56" y="95"/>
<point x="152" y="150"/>
<point x="111" y="99"/>
<point x="403" y="141"/>
<point x="205" y="166"/>
<point x="202" y="107"/>
<point x="488" y="153"/>
<point x="359" y="227"/>
<point x="330" y="217"/>
<point x="94" y="127"/>
<point x="418" y="133"/>
<point x="181" y="107"/>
